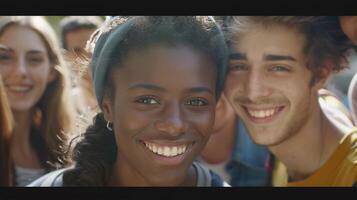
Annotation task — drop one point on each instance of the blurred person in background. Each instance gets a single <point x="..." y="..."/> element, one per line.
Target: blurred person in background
<point x="75" y="31"/>
<point x="37" y="85"/>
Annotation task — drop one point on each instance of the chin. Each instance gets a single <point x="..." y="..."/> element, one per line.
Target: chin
<point x="166" y="181"/>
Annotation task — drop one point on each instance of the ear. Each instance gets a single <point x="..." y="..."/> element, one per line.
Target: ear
<point x="325" y="74"/>
<point x="52" y="76"/>
<point x="107" y="108"/>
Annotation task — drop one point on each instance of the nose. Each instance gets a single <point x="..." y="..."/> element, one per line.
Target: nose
<point x="256" y="86"/>
<point x="21" y="68"/>
<point x="173" y="121"/>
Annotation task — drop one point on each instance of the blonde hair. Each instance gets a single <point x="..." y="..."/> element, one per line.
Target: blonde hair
<point x="6" y="125"/>
<point x="56" y="106"/>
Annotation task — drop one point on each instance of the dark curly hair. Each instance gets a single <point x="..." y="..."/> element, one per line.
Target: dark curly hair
<point x="325" y="39"/>
<point x="96" y="153"/>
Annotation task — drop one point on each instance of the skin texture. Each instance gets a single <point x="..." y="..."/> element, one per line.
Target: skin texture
<point x="152" y="102"/>
<point x="349" y="27"/>
<point x="268" y="86"/>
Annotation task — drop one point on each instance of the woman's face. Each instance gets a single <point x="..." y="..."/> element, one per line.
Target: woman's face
<point x="24" y="66"/>
<point x="162" y="112"/>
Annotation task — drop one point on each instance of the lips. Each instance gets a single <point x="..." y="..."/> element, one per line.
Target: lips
<point x="19" y="88"/>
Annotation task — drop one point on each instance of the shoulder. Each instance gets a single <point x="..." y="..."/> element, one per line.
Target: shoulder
<point x="208" y="178"/>
<point x="52" y="179"/>
<point x="217" y="181"/>
<point x="353" y="147"/>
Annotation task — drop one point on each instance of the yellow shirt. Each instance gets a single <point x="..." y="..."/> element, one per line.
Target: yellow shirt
<point x="339" y="170"/>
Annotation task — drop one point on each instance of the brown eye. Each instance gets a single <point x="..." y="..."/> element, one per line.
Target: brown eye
<point x="4" y="57"/>
<point x="197" y="102"/>
<point x="36" y="60"/>
<point x="149" y="100"/>
<point x="238" y="67"/>
<point x="279" y="68"/>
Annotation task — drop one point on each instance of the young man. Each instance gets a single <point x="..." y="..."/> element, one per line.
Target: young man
<point x="277" y="67"/>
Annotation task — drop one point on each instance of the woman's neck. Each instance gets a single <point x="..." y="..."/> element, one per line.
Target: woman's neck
<point x="131" y="178"/>
<point x="21" y="150"/>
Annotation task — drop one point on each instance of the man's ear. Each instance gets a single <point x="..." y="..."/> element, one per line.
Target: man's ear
<point x="325" y="74"/>
<point x="107" y="108"/>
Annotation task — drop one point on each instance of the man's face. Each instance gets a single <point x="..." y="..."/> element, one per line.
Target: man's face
<point x="268" y="83"/>
<point x="76" y="42"/>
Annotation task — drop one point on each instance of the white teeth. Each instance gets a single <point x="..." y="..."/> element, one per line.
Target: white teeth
<point x="174" y="151"/>
<point x="154" y="149"/>
<point x="166" y="150"/>
<point x="19" y="88"/>
<point x="160" y="151"/>
<point x="262" y="113"/>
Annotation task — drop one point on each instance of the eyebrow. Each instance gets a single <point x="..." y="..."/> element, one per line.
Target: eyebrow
<point x="237" y="56"/>
<point x="272" y="57"/>
<point x="200" y="89"/>
<point x="36" y="52"/>
<point x="157" y="88"/>
<point x="267" y="57"/>
<point x="146" y="86"/>
<point x="5" y="48"/>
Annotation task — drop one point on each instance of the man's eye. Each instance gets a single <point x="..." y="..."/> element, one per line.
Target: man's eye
<point x="197" y="102"/>
<point x="280" y="68"/>
<point x="148" y="100"/>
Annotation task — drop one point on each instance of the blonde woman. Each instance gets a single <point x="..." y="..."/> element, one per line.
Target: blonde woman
<point x="38" y="89"/>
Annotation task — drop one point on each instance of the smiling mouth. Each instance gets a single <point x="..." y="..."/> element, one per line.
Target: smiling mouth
<point x="166" y="151"/>
<point x="19" y="88"/>
<point x="263" y="115"/>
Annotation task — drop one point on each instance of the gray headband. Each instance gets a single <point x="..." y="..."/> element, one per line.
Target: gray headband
<point x="102" y="55"/>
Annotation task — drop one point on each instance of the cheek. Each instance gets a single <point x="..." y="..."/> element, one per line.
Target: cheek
<point x="202" y="122"/>
<point x="232" y="85"/>
<point x="7" y="72"/>
<point x="132" y="121"/>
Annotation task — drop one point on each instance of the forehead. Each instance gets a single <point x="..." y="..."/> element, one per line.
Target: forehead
<point x="260" y="40"/>
<point x="79" y="37"/>
<point x="19" y="38"/>
<point x="179" y="65"/>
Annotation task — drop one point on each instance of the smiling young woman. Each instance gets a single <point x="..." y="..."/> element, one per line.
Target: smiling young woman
<point x="157" y="80"/>
<point x="37" y="86"/>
